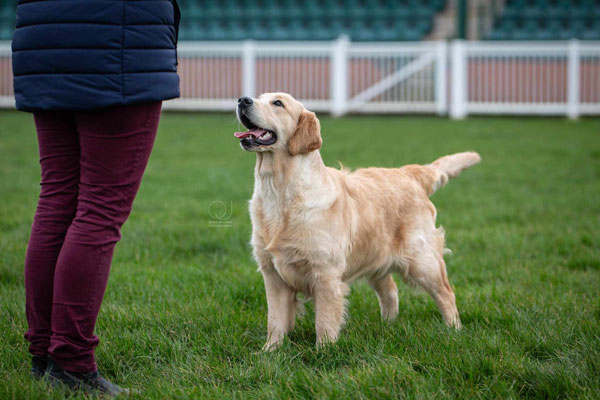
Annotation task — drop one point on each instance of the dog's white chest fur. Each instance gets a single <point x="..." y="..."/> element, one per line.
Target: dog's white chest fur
<point x="288" y="223"/>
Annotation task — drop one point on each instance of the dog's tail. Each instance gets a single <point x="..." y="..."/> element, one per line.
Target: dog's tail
<point x="447" y="167"/>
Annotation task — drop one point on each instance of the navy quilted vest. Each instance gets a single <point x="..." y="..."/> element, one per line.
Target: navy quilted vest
<point x="87" y="54"/>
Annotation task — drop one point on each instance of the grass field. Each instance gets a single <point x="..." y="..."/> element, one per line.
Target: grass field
<point x="185" y="315"/>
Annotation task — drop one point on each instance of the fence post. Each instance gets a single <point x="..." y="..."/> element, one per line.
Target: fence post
<point x="458" y="108"/>
<point x="249" y="69"/>
<point x="573" y="80"/>
<point x="339" y="75"/>
<point x="441" y="81"/>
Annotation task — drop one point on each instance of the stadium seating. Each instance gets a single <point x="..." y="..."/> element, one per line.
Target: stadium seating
<point x="548" y="20"/>
<point x="361" y="20"/>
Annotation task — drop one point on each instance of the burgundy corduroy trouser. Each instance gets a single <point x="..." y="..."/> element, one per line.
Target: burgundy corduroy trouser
<point x="92" y="164"/>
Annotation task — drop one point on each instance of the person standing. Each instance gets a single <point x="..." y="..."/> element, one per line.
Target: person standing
<point x="94" y="75"/>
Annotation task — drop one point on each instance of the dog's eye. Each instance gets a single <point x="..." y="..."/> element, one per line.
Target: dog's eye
<point x="278" y="103"/>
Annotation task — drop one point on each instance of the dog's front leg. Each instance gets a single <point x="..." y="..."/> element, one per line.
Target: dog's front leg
<point x="330" y="303"/>
<point x="281" y="301"/>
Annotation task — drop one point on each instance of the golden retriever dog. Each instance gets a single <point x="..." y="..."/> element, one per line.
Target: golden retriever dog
<point x="316" y="229"/>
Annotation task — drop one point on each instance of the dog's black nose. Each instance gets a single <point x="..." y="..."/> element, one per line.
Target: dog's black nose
<point x="245" y="101"/>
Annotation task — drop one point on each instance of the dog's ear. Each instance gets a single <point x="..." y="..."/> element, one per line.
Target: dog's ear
<point x="307" y="136"/>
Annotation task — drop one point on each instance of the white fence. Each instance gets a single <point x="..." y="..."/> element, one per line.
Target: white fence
<point x="337" y="76"/>
<point x="536" y="78"/>
<point x="457" y="78"/>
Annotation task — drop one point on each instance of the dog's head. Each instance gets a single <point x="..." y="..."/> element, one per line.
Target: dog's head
<point x="277" y="122"/>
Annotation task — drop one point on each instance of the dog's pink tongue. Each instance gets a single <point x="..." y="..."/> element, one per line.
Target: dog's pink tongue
<point x="255" y="132"/>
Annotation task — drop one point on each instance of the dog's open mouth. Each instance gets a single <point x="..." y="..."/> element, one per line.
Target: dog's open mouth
<point x="255" y="136"/>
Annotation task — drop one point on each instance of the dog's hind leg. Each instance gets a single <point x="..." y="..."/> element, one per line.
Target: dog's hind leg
<point x="428" y="270"/>
<point x="442" y="293"/>
<point x="387" y="293"/>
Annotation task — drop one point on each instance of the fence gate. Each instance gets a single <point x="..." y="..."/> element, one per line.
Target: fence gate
<point x="336" y="76"/>
<point x="397" y="79"/>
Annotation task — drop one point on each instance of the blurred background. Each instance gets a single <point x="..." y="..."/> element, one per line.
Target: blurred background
<point x="184" y="316"/>
<point x="450" y="57"/>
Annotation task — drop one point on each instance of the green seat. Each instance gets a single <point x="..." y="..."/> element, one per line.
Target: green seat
<point x="534" y="12"/>
<point x="296" y="30"/>
<point x="235" y="30"/>
<point x="340" y="27"/>
<point x="591" y="34"/>
<point x="412" y="35"/>
<point x="577" y="26"/>
<point x="543" y="34"/>
<point x="277" y="30"/>
<point x="555" y="12"/>
<point x="531" y="26"/>
<point x="360" y="31"/>
<point x="273" y="11"/>
<point x="319" y="29"/>
<point x="510" y="12"/>
<point x="196" y="32"/>
<point x="497" y="34"/>
<point x="5" y="32"/>
<point x="214" y="31"/>
<point x="553" y="26"/>
<point x="565" y="34"/>
<point x="385" y="32"/>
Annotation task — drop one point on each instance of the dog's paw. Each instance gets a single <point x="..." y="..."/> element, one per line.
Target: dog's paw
<point x="454" y="322"/>
<point x="326" y="340"/>
<point x="271" y="346"/>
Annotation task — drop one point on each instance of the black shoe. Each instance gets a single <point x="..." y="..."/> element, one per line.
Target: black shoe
<point x="88" y="382"/>
<point x="38" y="366"/>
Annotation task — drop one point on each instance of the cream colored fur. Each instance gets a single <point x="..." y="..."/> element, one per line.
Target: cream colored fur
<point x="316" y="229"/>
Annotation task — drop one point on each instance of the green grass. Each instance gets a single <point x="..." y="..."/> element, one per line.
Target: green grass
<point x="185" y="314"/>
